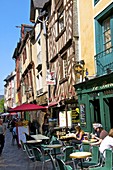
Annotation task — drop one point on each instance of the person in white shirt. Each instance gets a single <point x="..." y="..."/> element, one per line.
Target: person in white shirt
<point x="107" y="142"/>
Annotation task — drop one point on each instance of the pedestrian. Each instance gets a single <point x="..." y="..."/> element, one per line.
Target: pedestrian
<point x="107" y="142"/>
<point x="15" y="136"/>
<point x="101" y="134"/>
<point x="2" y="135"/>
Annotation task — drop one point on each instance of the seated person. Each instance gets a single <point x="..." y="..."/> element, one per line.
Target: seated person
<point x="101" y="134"/>
<point x="107" y="142"/>
<point x="79" y="136"/>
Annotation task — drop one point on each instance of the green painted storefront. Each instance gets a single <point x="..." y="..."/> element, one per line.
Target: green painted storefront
<point x="95" y="98"/>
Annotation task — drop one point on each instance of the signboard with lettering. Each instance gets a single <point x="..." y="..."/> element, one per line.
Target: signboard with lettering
<point x="75" y="116"/>
<point x="83" y="114"/>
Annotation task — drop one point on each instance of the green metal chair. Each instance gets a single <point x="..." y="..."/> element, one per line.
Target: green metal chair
<point x="62" y="165"/>
<point x="66" y="155"/>
<point x="42" y="157"/>
<point x="22" y="145"/>
<point x="108" y="162"/>
<point x="94" y="160"/>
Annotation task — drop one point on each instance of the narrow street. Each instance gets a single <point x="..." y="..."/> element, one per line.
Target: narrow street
<point x="14" y="158"/>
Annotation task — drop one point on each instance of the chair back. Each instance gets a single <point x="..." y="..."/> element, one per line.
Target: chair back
<point x="67" y="151"/>
<point x="85" y="147"/>
<point x="61" y="164"/>
<point x="95" y="154"/>
<point x="108" y="159"/>
<point x="29" y="152"/>
<point x="22" y="145"/>
<point x="38" y="154"/>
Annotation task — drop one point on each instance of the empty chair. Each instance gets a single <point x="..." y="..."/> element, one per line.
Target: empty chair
<point x="30" y="154"/>
<point x="62" y="165"/>
<point x="66" y="155"/>
<point x="42" y="157"/>
<point x="22" y="145"/>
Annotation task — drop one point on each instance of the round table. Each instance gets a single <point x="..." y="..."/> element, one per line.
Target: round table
<point x="33" y="141"/>
<point x="89" y="141"/>
<point x="80" y="155"/>
<point x="54" y="146"/>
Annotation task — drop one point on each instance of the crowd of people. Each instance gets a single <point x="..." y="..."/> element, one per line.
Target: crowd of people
<point x="103" y="138"/>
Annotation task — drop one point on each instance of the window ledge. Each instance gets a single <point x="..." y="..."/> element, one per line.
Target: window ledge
<point x="63" y="80"/>
<point x="60" y="34"/>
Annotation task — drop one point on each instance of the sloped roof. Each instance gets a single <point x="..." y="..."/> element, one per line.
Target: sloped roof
<point x="35" y="4"/>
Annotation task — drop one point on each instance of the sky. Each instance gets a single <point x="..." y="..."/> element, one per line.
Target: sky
<point x="12" y="13"/>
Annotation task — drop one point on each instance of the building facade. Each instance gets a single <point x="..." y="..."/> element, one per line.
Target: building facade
<point x="95" y="95"/>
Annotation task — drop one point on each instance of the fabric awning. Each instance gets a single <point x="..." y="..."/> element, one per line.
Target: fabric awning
<point x="53" y="103"/>
<point x="27" y="107"/>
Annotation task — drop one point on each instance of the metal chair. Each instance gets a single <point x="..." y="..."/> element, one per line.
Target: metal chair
<point x="22" y="145"/>
<point x="66" y="155"/>
<point x="62" y="165"/>
<point x="42" y="157"/>
<point x="94" y="160"/>
<point x="108" y="162"/>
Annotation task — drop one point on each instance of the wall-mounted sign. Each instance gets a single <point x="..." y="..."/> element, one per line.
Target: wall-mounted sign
<point x="75" y="116"/>
<point x="83" y="114"/>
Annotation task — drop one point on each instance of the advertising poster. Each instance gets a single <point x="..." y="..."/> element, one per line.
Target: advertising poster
<point x="62" y="118"/>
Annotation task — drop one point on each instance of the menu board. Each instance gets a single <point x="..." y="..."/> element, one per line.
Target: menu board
<point x="83" y="114"/>
<point x="21" y="133"/>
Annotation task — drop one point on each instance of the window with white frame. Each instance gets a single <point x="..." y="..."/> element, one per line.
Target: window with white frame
<point x="107" y="35"/>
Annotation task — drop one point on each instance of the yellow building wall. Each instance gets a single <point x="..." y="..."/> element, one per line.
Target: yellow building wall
<point x="86" y="33"/>
<point x="86" y="14"/>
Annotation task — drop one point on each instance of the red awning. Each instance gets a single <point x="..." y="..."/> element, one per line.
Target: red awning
<point x="53" y="103"/>
<point x="27" y="107"/>
<point x="13" y="113"/>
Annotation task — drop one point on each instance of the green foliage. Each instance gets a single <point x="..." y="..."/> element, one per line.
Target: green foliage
<point x="1" y="105"/>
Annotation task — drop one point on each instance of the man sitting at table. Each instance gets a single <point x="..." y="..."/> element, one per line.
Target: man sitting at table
<point x="102" y="134"/>
<point x="79" y="136"/>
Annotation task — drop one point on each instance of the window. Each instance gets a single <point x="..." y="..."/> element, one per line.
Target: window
<point x="60" y="19"/>
<point x="24" y="55"/>
<point x="96" y="1"/>
<point x="107" y="35"/>
<point x="63" y="66"/>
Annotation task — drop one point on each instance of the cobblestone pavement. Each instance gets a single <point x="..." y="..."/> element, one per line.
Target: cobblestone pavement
<point x="14" y="158"/>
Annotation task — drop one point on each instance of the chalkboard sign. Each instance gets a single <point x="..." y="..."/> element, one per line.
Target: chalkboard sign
<point x="83" y="114"/>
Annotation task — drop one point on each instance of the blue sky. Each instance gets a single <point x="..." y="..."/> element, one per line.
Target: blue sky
<point x="12" y="13"/>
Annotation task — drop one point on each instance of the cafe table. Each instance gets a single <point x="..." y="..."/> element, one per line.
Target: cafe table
<point x="40" y="137"/>
<point x="54" y="147"/>
<point x="89" y="141"/>
<point x="80" y="155"/>
<point x="33" y="141"/>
